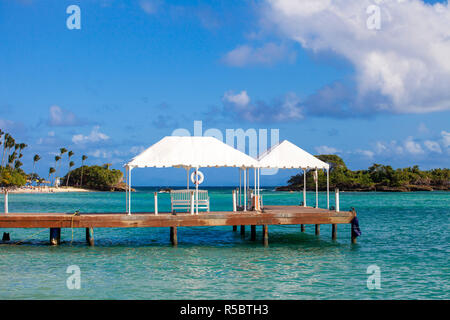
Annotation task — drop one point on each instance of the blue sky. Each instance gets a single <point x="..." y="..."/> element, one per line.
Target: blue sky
<point x="137" y="70"/>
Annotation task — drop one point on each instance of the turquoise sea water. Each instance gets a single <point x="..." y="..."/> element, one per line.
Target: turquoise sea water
<point x="405" y="234"/>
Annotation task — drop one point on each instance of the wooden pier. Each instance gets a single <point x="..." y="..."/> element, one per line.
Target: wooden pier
<point x="271" y="215"/>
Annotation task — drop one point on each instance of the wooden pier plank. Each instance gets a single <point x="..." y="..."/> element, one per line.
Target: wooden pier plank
<point x="272" y="215"/>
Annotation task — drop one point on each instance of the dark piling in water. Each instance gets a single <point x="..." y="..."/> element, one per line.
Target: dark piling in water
<point x="90" y="236"/>
<point x="55" y="236"/>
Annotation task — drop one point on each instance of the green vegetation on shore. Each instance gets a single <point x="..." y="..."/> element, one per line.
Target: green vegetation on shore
<point x="95" y="177"/>
<point x="378" y="177"/>
<point x="88" y="177"/>
<point x="11" y="174"/>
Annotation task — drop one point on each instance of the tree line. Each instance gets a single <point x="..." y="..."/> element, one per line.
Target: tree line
<point x="377" y="177"/>
<point x="12" y="174"/>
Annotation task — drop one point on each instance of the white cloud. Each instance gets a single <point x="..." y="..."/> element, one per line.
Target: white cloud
<point x="326" y="150"/>
<point x="149" y="6"/>
<point x="423" y="128"/>
<point x="94" y="136"/>
<point x="268" y="54"/>
<point x="401" y="68"/>
<point x="285" y="109"/>
<point x="433" y="146"/>
<point x="60" y="117"/>
<point x="412" y="147"/>
<point x="366" y="153"/>
<point x="136" y="149"/>
<point x="445" y="138"/>
<point x="240" y="99"/>
<point x="380" y="147"/>
<point x="6" y="124"/>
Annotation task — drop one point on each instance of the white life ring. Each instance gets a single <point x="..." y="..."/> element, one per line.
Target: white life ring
<point x="197" y="177"/>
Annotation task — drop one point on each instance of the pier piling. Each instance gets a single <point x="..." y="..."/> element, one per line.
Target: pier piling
<point x="353" y="237"/>
<point x="90" y="236"/>
<point x="265" y="232"/>
<point x="243" y="231"/>
<point x="234" y="228"/>
<point x="317" y="229"/>
<point x="334" y="231"/>
<point x="5" y="236"/>
<point x="173" y="236"/>
<point x="253" y="233"/>
<point x="302" y="228"/>
<point x="55" y="236"/>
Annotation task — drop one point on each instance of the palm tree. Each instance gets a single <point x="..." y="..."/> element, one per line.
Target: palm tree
<point x="8" y="145"/>
<point x="71" y="164"/>
<point x="83" y="158"/>
<point x="1" y="135"/>
<point x="70" y="154"/>
<point x="11" y="158"/>
<point x="50" y="172"/>
<point x="17" y="164"/>
<point x="57" y="158"/>
<point x="61" y="153"/>
<point x="36" y="158"/>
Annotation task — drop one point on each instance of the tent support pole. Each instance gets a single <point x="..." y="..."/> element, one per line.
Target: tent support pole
<point x="245" y="190"/>
<point x="129" y="190"/>
<point x="304" y="187"/>
<point x="248" y="186"/>
<point x="255" y="194"/>
<point x="187" y="178"/>
<point x="240" y="186"/>
<point x="126" y="189"/>
<point x="328" y="190"/>
<point x="196" y="191"/>
<point x="317" y="189"/>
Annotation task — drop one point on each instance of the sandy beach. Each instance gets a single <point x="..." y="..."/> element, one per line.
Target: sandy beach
<point x="46" y="189"/>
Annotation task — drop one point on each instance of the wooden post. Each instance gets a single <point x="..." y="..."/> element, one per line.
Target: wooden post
<point x="6" y="200"/>
<point x="6" y="236"/>
<point x="90" y="236"/>
<point x="302" y="228"/>
<point x="156" y="203"/>
<point x="265" y="232"/>
<point x="55" y="236"/>
<point x="337" y="199"/>
<point x="317" y="229"/>
<point x="234" y="228"/>
<point x="334" y="231"/>
<point x="192" y="202"/>
<point x="351" y="229"/>
<point x="242" y="230"/>
<point x="304" y="187"/>
<point x="352" y="236"/>
<point x="253" y="233"/>
<point x="173" y="236"/>
<point x="234" y="201"/>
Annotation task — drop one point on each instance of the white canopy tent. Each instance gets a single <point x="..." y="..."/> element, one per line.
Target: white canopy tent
<point x="188" y="152"/>
<point x="287" y="155"/>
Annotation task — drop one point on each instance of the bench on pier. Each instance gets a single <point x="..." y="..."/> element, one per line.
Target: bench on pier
<point x="181" y="200"/>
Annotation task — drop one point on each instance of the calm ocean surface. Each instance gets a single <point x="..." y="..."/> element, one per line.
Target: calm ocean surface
<point x="405" y="234"/>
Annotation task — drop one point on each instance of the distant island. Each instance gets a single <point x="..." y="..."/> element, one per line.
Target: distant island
<point x="378" y="177"/>
<point x="100" y="178"/>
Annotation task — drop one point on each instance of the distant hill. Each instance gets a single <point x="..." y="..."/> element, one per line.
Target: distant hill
<point x="96" y="178"/>
<point x="378" y="177"/>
